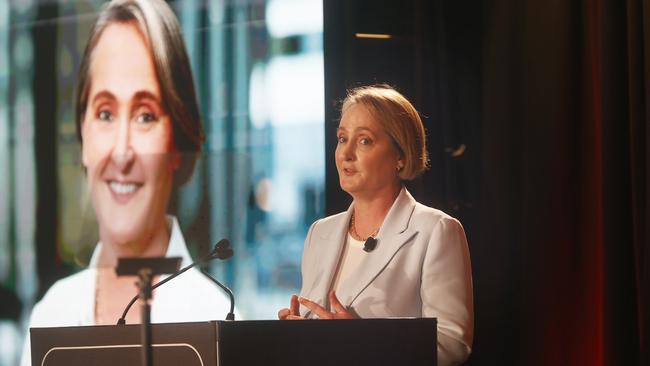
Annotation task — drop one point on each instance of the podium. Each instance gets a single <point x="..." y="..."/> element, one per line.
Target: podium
<point x="358" y="342"/>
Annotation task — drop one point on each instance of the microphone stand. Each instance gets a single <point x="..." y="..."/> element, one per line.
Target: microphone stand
<point x="145" y="294"/>
<point x="145" y="269"/>
<point x="221" y="251"/>
<point x="122" y="320"/>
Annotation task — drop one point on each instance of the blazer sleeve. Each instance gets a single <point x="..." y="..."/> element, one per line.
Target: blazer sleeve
<point x="306" y="258"/>
<point x="446" y="290"/>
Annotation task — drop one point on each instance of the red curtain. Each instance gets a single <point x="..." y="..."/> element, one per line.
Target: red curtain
<point x="565" y="181"/>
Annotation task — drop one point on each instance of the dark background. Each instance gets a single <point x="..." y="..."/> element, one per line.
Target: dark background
<point x="549" y="100"/>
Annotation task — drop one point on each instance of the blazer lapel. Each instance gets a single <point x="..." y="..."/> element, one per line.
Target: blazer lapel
<point x="392" y="236"/>
<point x="329" y="245"/>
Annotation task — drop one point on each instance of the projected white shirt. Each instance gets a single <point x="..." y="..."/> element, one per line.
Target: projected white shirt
<point x="189" y="297"/>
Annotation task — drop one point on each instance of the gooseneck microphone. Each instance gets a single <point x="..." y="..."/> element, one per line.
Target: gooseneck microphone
<point x="221" y="251"/>
<point x="231" y="314"/>
<point x="370" y="244"/>
<point x="224" y="253"/>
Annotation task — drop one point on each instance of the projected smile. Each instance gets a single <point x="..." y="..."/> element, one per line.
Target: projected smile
<point x="123" y="188"/>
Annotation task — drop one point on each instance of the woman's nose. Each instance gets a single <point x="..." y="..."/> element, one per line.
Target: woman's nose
<point x="123" y="154"/>
<point x="348" y="151"/>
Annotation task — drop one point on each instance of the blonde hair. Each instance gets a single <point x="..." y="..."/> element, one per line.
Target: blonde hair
<point x="399" y="119"/>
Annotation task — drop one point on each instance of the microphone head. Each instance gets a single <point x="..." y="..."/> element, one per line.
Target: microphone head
<point x="222" y="249"/>
<point x="225" y="254"/>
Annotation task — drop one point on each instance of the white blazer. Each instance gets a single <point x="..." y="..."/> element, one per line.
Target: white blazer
<point x="419" y="268"/>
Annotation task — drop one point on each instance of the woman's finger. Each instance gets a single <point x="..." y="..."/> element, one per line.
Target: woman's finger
<point x="318" y="310"/>
<point x="295" y="305"/>
<point x="294" y="317"/>
<point x="336" y="304"/>
<point x="283" y="313"/>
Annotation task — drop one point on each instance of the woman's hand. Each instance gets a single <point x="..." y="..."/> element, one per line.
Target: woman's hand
<point x="293" y="312"/>
<point x="338" y="310"/>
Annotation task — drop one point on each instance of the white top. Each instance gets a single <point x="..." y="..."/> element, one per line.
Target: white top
<point x="351" y="258"/>
<point x="189" y="297"/>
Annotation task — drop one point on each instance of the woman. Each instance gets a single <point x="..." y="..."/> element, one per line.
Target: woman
<point x="388" y="255"/>
<point x="139" y="127"/>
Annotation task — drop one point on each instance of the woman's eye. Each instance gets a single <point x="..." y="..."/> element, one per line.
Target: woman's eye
<point x="341" y="139"/>
<point x="105" y="115"/>
<point x="146" y="118"/>
<point x="365" y="141"/>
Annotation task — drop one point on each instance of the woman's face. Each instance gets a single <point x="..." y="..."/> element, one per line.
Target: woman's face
<point x="366" y="158"/>
<point x="127" y="139"/>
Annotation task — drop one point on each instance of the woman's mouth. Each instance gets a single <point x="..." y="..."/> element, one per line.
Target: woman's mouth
<point x="123" y="188"/>
<point x="123" y="191"/>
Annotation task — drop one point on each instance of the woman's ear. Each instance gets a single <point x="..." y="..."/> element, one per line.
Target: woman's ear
<point x="176" y="160"/>
<point x="400" y="163"/>
<point x="84" y="156"/>
<point x="175" y="156"/>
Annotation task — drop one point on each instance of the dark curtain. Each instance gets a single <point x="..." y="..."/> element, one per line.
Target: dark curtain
<point x="561" y="257"/>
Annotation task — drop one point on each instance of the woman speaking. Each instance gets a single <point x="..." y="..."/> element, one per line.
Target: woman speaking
<point x="387" y="255"/>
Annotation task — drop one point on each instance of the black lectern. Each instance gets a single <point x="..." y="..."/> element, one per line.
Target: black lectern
<point x="226" y="343"/>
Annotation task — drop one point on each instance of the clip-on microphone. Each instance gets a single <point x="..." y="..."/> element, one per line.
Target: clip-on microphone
<point x="370" y="244"/>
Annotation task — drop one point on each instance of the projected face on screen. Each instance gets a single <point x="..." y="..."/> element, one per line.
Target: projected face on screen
<point x="128" y="139"/>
